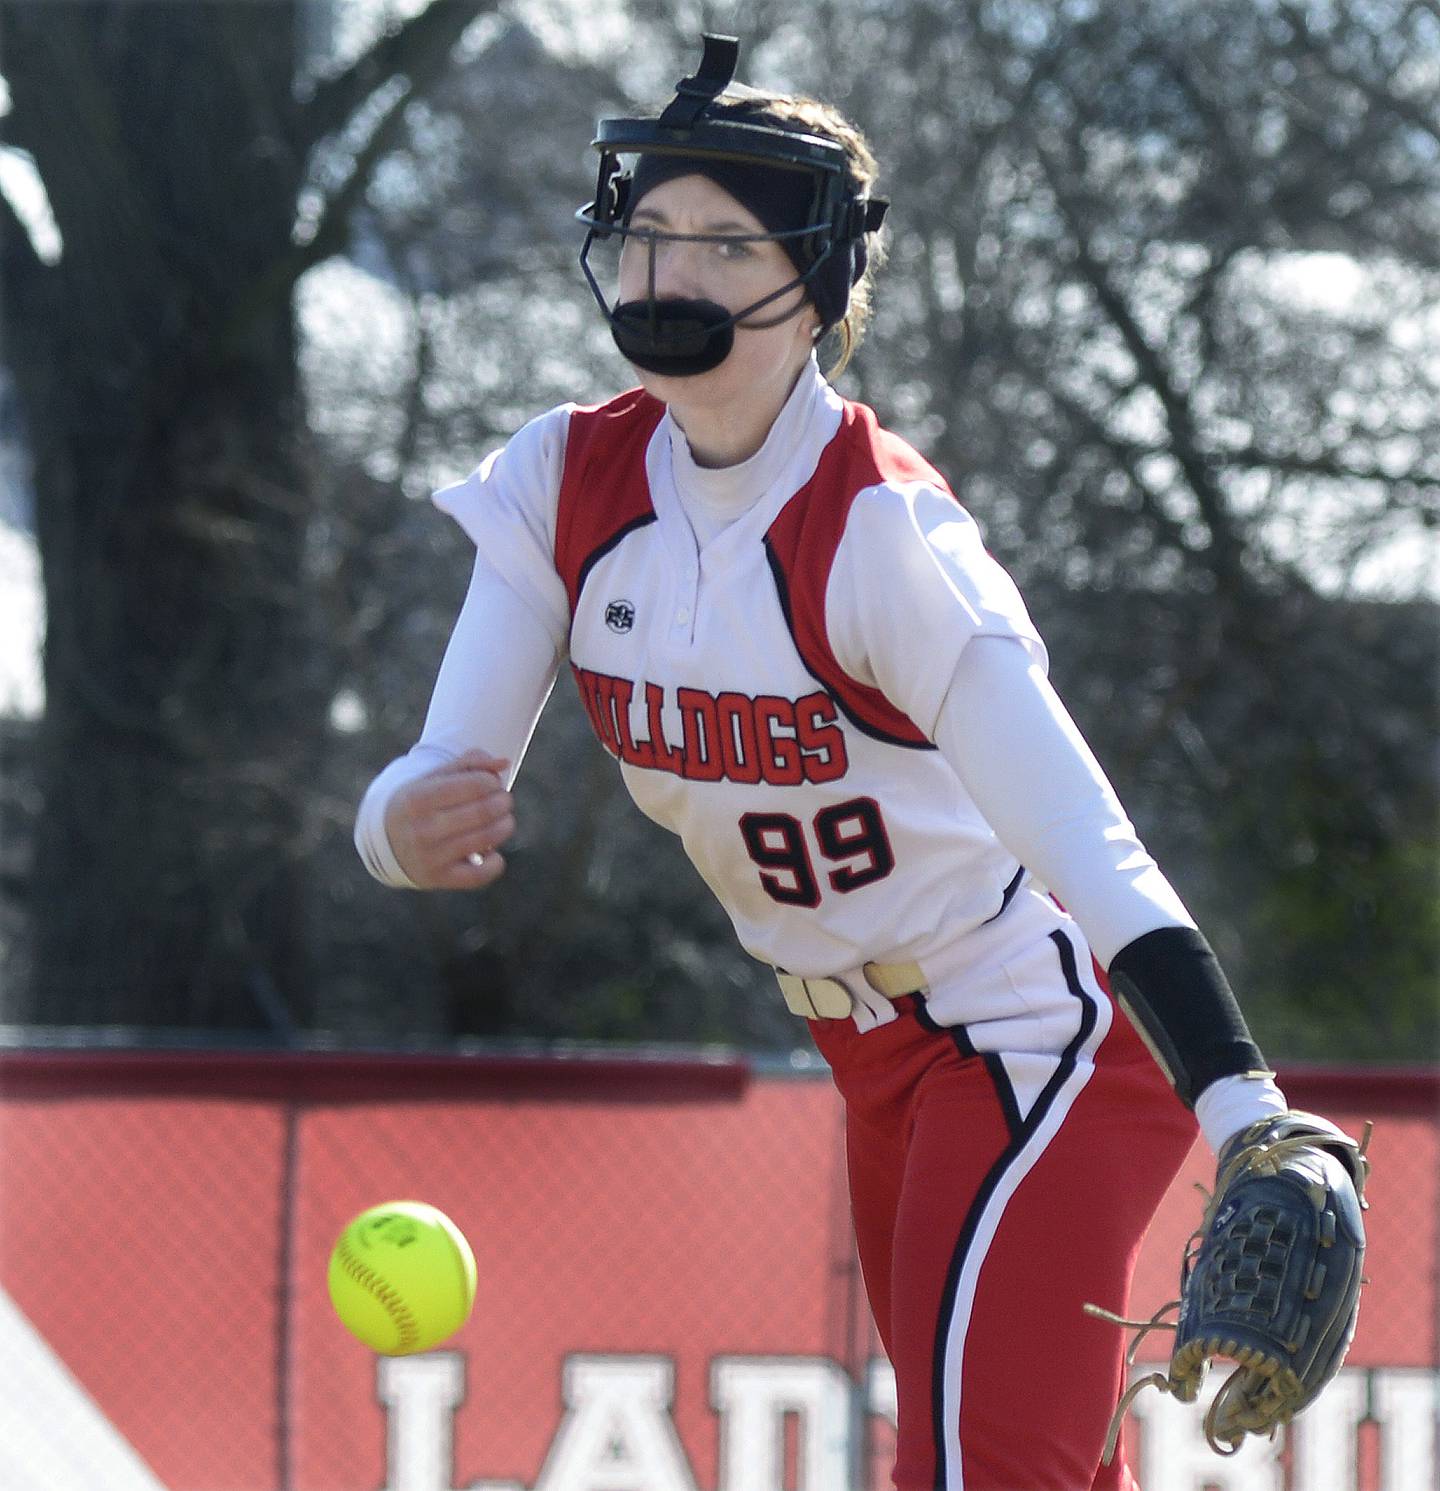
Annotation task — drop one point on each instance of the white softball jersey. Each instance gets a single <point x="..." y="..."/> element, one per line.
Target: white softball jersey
<point x="771" y="653"/>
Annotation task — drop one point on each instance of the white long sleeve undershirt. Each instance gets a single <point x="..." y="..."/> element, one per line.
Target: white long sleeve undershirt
<point x="497" y="673"/>
<point x="1011" y="741"/>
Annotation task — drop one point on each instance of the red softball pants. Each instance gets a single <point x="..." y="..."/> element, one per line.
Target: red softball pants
<point x="994" y="1193"/>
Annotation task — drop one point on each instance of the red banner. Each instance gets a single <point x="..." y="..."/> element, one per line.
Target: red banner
<point x="668" y="1295"/>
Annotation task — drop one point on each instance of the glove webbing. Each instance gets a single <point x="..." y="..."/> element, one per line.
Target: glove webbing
<point x="1266" y="1390"/>
<point x="1263" y="1375"/>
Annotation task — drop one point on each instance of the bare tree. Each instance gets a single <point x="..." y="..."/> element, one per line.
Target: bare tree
<point x="187" y="675"/>
<point x="1188" y="435"/>
<point x="1159" y="299"/>
<point x="1156" y="302"/>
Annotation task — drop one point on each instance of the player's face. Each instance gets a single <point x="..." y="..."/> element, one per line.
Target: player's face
<point x="734" y="275"/>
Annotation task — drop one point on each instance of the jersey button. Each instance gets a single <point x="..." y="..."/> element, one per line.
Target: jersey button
<point x="682" y="616"/>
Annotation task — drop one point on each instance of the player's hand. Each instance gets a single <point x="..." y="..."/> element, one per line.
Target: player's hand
<point x="445" y="827"/>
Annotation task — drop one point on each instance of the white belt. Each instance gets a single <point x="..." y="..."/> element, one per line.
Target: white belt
<point x="831" y="999"/>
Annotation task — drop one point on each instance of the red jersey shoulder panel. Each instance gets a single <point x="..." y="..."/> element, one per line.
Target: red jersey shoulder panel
<point x="801" y="544"/>
<point x="603" y="491"/>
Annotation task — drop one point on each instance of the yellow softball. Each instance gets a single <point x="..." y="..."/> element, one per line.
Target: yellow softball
<point x="402" y="1277"/>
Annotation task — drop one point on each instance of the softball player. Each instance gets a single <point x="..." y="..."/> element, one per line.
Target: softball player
<point x="788" y="633"/>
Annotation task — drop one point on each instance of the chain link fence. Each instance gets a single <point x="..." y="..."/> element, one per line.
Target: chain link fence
<point x="668" y="1301"/>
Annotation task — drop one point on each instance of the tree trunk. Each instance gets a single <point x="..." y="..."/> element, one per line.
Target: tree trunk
<point x="184" y="679"/>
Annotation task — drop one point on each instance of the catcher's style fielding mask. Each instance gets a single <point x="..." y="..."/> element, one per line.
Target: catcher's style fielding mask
<point x="796" y="184"/>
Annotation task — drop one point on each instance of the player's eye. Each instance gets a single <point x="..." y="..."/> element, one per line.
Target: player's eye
<point x="734" y="250"/>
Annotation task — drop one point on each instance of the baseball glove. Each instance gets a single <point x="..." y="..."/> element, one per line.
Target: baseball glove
<point x="1270" y="1279"/>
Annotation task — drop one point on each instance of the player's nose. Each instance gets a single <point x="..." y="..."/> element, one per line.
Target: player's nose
<point x="678" y="271"/>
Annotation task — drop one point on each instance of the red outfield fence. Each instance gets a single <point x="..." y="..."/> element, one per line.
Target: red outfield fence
<point x="668" y="1295"/>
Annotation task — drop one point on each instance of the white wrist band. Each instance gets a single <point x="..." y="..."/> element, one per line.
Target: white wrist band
<point x="1227" y="1106"/>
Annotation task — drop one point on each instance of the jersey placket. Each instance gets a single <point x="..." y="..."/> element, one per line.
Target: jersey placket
<point x="682" y="556"/>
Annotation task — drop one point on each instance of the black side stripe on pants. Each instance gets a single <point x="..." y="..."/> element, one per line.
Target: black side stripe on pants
<point x="1004" y="1092"/>
<point x="957" y="1033"/>
<point x="1004" y="1089"/>
<point x="1020" y="1134"/>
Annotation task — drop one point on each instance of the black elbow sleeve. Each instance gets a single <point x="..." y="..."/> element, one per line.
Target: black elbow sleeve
<point x="1172" y="986"/>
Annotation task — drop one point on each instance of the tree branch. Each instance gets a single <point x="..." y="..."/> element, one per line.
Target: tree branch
<point x="330" y="231"/>
<point x="419" y="49"/>
<point x="21" y="263"/>
<point x="1253" y="458"/>
<point x="281" y="275"/>
<point x="1126" y="453"/>
<point x="1403" y="108"/>
<point x="1185" y="445"/>
<point x="66" y="118"/>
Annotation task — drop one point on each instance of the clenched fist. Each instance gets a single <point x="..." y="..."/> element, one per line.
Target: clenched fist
<point x="445" y="827"/>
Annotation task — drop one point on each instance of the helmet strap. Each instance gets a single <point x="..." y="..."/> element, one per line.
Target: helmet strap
<point x="717" y="68"/>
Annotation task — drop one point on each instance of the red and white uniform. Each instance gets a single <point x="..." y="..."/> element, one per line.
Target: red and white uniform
<point x="811" y="670"/>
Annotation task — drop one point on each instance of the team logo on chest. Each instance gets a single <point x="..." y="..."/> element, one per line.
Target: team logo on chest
<point x="729" y="737"/>
<point x="620" y="615"/>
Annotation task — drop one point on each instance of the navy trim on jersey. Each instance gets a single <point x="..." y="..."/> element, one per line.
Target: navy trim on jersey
<point x="1020" y="1135"/>
<point x="597" y="554"/>
<point x="1009" y="895"/>
<point x="873" y="731"/>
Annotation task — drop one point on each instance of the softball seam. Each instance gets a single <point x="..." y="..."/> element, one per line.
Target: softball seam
<point x="370" y="1281"/>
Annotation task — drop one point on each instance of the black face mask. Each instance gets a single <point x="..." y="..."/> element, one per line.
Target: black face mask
<point x="676" y="337"/>
<point x="680" y="338"/>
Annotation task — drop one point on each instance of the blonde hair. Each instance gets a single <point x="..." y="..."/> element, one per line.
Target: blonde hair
<point x="817" y="118"/>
